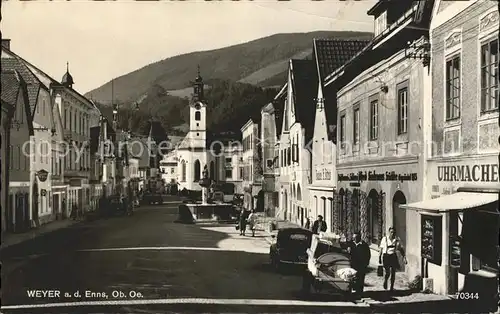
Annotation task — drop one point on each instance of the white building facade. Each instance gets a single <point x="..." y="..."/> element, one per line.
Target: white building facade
<point x="295" y="138"/>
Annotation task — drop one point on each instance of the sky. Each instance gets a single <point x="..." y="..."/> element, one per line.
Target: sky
<point x="103" y="40"/>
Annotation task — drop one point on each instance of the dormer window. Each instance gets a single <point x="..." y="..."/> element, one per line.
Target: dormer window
<point x="380" y="23"/>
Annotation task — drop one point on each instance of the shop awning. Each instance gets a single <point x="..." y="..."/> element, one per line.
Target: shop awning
<point x="453" y="202"/>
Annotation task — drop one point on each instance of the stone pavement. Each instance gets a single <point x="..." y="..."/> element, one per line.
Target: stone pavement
<point x="9" y="239"/>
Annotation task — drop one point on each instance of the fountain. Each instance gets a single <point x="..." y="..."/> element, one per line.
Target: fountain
<point x="204" y="183"/>
<point x="205" y="211"/>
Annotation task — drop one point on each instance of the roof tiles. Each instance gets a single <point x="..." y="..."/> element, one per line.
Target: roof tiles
<point x="331" y="54"/>
<point x="10" y="87"/>
<point x="33" y="85"/>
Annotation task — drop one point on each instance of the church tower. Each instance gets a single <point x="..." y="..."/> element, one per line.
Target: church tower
<point x="198" y="114"/>
<point x="67" y="79"/>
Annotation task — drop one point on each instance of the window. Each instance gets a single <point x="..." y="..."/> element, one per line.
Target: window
<point x="183" y="171"/>
<point x="489" y="76"/>
<point x="228" y="160"/>
<point x="380" y="23"/>
<point x="197" y="115"/>
<point x="355" y="126"/>
<point x="229" y="173"/>
<point x="453" y="88"/>
<point x="342" y="131"/>
<point x="374" y="120"/>
<point x="402" y="110"/>
<point x="242" y="173"/>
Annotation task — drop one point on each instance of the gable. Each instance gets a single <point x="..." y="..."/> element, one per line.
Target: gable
<point x="32" y="83"/>
<point x="286" y="107"/>
<point x="305" y="84"/>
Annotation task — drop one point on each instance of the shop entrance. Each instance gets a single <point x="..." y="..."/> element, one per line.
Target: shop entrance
<point x="399" y="219"/>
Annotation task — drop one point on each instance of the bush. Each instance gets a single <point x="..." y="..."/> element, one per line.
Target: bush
<point x="416" y="284"/>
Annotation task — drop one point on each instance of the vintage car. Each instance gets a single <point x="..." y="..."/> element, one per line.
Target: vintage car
<point x="328" y="267"/>
<point x="290" y="247"/>
<point x="116" y="205"/>
<point x="152" y="198"/>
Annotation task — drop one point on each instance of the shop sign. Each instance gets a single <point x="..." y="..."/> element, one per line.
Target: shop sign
<point x="43" y="192"/>
<point x="42" y="175"/>
<point x="469" y="173"/>
<point x="431" y="238"/>
<point x="374" y="176"/>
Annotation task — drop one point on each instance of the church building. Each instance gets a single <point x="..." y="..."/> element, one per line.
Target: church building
<point x="193" y="154"/>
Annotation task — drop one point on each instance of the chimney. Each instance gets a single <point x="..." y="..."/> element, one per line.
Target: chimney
<point x="6" y="43"/>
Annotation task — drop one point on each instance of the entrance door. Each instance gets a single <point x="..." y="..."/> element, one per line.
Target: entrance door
<point x="399" y="218"/>
<point x="36" y="203"/>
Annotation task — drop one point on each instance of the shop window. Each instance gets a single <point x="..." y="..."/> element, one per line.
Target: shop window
<point x="374" y="219"/>
<point x="453" y="88"/>
<point x="355" y="211"/>
<point x="340" y="211"/>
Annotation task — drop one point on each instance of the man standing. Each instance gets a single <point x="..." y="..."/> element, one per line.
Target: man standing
<point x="360" y="259"/>
<point x="319" y="225"/>
<point x="389" y="245"/>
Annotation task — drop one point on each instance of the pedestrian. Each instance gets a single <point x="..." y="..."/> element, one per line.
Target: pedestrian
<point x="389" y="246"/>
<point x="63" y="209"/>
<point x="252" y="221"/>
<point x="360" y="259"/>
<point x="243" y="221"/>
<point x="319" y="225"/>
<point x="308" y="223"/>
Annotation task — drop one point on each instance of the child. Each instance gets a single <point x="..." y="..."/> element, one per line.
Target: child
<point x="252" y="221"/>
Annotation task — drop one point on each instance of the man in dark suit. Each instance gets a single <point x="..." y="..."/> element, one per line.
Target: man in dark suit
<point x="319" y="225"/>
<point x="360" y="259"/>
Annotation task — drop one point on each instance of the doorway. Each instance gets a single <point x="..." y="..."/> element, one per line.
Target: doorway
<point x="399" y="219"/>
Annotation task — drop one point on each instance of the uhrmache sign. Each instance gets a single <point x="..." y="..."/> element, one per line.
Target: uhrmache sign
<point x="469" y="173"/>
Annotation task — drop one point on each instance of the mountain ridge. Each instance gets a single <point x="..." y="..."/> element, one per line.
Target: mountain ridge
<point x="261" y="62"/>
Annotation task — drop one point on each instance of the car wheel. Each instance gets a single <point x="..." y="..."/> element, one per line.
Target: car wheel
<point x="276" y="264"/>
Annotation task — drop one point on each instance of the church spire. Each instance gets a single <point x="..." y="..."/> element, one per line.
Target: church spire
<point x="67" y="79"/>
<point x="198" y="87"/>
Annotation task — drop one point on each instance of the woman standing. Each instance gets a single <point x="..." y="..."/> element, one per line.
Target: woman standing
<point x="243" y="221"/>
<point x="388" y="257"/>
